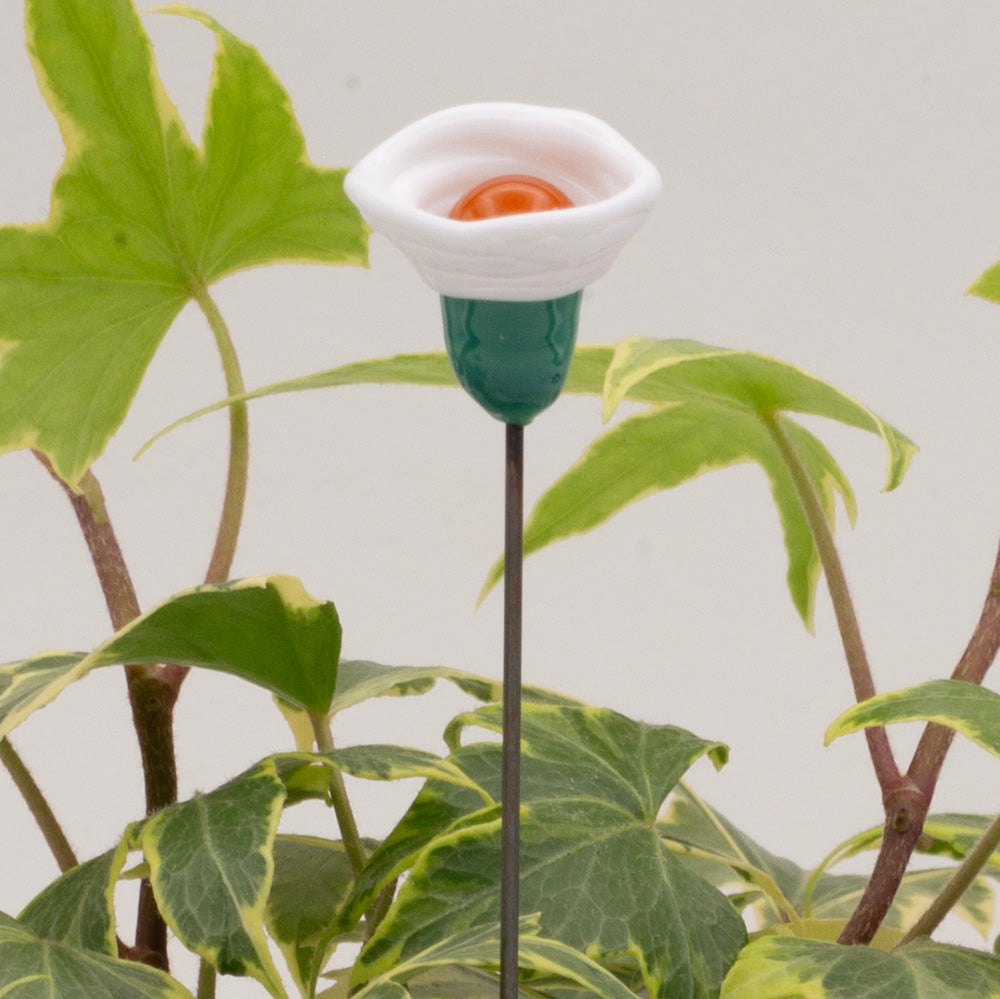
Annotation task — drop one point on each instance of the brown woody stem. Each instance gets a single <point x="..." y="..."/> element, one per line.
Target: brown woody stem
<point x="925" y="768"/>
<point x="151" y="695"/>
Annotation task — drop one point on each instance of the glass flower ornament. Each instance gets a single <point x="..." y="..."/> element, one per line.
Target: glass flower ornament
<point x="508" y="211"/>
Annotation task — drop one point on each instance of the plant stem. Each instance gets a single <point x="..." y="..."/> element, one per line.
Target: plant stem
<point x="353" y="846"/>
<point x="883" y="761"/>
<point x="923" y="773"/>
<point x="979" y="654"/>
<point x="964" y="875"/>
<point x="206" y="980"/>
<point x="239" y="445"/>
<point x="904" y="803"/>
<point x="38" y="806"/>
<point x="231" y="517"/>
<point x="151" y="695"/>
<point x="153" y="690"/>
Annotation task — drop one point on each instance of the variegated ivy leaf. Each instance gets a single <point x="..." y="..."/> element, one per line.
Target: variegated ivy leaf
<point x="804" y="902"/>
<point x="712" y="408"/>
<point x="712" y="411"/>
<point x="34" y="968"/>
<point x="432" y="369"/>
<point x="359" y="680"/>
<point x="783" y="967"/>
<point x="266" y="629"/>
<point x="211" y="865"/>
<point x="479" y="947"/>
<point x="32" y="683"/>
<point x="676" y="370"/>
<point x="143" y="220"/>
<point x="591" y="862"/>
<point x="78" y="908"/>
<point x="312" y="880"/>
<point x="969" y="709"/>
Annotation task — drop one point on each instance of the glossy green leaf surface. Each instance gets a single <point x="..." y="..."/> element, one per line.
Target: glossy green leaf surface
<point x="211" y="866"/>
<point x="665" y="446"/>
<point x="480" y="947"/>
<point x="142" y="220"/>
<point x="78" y="908"/>
<point x="266" y="629"/>
<point x="712" y="408"/>
<point x="359" y="680"/>
<point x="591" y="862"/>
<point x="312" y="880"/>
<point x="399" y="762"/>
<point x="677" y="370"/>
<point x="968" y="708"/>
<point x="32" y="683"/>
<point x="786" y="893"/>
<point x="786" y="968"/>
<point x="32" y="968"/>
<point x="430" y="369"/>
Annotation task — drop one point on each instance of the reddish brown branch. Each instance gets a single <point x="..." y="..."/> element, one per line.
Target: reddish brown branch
<point x="151" y="694"/>
<point x="906" y="813"/>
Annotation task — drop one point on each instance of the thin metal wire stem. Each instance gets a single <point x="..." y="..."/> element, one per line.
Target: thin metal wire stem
<point x="511" y="786"/>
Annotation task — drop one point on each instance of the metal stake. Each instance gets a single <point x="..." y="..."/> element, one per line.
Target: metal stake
<point x="510" y="809"/>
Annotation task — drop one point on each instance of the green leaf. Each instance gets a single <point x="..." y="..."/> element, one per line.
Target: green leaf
<point x="797" y="901"/>
<point x="32" y="683"/>
<point x="312" y="880"/>
<point x="683" y="369"/>
<point x="953" y="834"/>
<point x="431" y="369"/>
<point x="945" y="834"/>
<point x="987" y="285"/>
<point x="789" y="968"/>
<point x="398" y="763"/>
<point x="142" y="220"/>
<point x="479" y="947"/>
<point x="32" y="968"/>
<point x="969" y="709"/>
<point x="712" y="408"/>
<point x="211" y="865"/>
<point x="727" y="857"/>
<point x="78" y="908"/>
<point x="265" y="629"/>
<point x="307" y="775"/>
<point x="358" y="680"/>
<point x="665" y="446"/>
<point x="591" y="861"/>
<point x="787" y="894"/>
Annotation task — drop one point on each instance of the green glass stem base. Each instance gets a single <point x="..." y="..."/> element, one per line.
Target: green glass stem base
<point x="511" y="357"/>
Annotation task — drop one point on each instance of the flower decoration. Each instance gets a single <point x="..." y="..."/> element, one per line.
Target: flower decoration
<point x="508" y="211"/>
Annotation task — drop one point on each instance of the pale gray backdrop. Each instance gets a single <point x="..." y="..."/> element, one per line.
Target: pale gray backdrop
<point x="831" y="186"/>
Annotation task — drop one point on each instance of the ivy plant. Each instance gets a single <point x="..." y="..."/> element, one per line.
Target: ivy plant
<point x="632" y="884"/>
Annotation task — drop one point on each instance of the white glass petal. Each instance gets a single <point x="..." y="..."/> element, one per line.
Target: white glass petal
<point x="406" y="187"/>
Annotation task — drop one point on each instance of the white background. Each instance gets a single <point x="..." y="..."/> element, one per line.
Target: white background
<point x="831" y="186"/>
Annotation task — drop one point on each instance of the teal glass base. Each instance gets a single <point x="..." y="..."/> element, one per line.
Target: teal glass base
<point x="511" y="357"/>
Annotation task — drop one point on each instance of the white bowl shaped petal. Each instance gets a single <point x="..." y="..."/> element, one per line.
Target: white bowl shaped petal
<point x="406" y="187"/>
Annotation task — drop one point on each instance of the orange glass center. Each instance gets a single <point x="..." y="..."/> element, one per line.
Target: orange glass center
<point x="513" y="194"/>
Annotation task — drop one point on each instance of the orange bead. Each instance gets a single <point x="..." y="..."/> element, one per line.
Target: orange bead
<point x="513" y="194"/>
